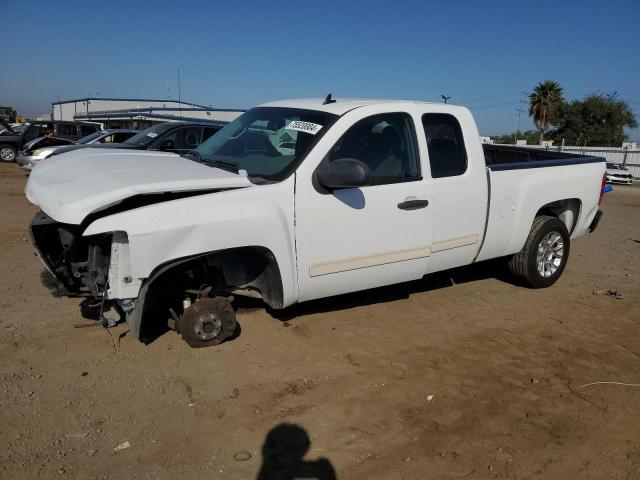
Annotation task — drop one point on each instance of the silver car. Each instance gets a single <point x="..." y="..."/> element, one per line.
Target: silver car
<point x="618" y="174"/>
<point x="37" y="150"/>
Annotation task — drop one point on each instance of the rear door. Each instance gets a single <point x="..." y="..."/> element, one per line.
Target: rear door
<point x="358" y="238"/>
<point x="35" y="130"/>
<point x="66" y="130"/>
<point x="457" y="182"/>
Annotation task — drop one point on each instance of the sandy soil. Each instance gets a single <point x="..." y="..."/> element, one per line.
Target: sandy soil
<point x="461" y="375"/>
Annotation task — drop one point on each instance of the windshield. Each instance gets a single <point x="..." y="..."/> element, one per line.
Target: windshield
<point x="267" y="142"/>
<point x="90" y="138"/>
<point x="146" y="137"/>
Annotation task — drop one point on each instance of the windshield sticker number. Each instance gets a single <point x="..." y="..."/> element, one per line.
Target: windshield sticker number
<point x="306" y="127"/>
<point x="152" y="134"/>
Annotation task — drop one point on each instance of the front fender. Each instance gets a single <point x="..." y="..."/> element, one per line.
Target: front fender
<point x="159" y="233"/>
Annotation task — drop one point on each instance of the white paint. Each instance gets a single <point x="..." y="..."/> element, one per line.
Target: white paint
<point x="324" y="243"/>
<point x="122" y="284"/>
<point x="70" y="186"/>
<point x="368" y="261"/>
<point x="454" y="243"/>
<point x="507" y="208"/>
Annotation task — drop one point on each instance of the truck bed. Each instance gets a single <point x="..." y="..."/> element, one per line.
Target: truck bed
<point x="525" y="181"/>
<point x="506" y="157"/>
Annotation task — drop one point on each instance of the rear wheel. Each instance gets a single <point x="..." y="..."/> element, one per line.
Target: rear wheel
<point x="207" y="322"/>
<point x="8" y="153"/>
<point x="544" y="255"/>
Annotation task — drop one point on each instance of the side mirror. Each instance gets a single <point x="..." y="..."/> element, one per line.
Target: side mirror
<point x="166" y="144"/>
<point x="343" y="173"/>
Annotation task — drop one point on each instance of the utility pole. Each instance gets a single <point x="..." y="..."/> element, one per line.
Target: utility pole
<point x="519" y="110"/>
<point x="445" y="98"/>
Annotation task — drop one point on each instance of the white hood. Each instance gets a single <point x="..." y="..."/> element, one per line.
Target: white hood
<point x="71" y="186"/>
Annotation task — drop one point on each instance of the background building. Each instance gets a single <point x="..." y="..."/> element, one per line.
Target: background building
<point x="136" y="112"/>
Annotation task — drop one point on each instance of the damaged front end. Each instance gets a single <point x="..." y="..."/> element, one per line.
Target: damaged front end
<point x="80" y="264"/>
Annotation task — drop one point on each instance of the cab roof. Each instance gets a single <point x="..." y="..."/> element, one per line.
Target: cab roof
<point x="339" y="106"/>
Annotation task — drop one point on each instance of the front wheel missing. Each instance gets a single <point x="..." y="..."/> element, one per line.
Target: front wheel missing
<point x="207" y="322"/>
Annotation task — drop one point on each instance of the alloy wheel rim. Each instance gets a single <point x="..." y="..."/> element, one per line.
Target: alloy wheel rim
<point x="550" y="254"/>
<point x="6" y="154"/>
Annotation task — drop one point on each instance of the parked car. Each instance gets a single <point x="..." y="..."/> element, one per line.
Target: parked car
<point x="13" y="141"/>
<point x="376" y="193"/>
<point x="37" y="150"/>
<point x="15" y="127"/>
<point x="177" y="137"/>
<point x="618" y="174"/>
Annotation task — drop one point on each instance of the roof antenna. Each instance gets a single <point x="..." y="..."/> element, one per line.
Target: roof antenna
<point x="328" y="100"/>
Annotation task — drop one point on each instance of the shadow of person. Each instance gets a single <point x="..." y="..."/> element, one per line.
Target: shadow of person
<point x="283" y="456"/>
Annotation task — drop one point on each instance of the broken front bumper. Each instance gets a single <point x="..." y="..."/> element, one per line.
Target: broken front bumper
<point x="80" y="264"/>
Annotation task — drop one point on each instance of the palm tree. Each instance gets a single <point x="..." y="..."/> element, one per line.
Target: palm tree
<point x="543" y="101"/>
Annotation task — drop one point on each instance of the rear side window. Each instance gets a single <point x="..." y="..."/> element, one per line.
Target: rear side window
<point x="87" y="130"/>
<point x="386" y="144"/>
<point x="66" y="129"/>
<point x="447" y="154"/>
<point x="189" y="138"/>
<point x="208" y="132"/>
<point x="122" y="136"/>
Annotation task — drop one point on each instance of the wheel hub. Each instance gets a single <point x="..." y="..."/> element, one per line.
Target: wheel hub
<point x="549" y="255"/>
<point x="207" y="326"/>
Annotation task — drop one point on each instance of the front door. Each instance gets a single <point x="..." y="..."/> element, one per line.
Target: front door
<point x="358" y="238"/>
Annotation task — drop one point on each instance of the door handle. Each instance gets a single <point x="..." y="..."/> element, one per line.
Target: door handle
<point x="413" y="204"/>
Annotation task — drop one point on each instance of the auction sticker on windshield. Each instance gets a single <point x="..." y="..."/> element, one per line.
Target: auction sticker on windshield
<point x="306" y="127"/>
<point x="152" y="134"/>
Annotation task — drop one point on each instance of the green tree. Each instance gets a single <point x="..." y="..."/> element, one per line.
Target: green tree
<point x="531" y="136"/>
<point x="597" y="120"/>
<point x="544" y="101"/>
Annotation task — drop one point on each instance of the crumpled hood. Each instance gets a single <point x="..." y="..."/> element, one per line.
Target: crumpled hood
<point x="71" y="186"/>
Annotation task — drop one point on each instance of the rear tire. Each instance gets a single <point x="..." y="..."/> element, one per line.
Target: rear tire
<point x="208" y="322"/>
<point x="544" y="256"/>
<point x="8" y="153"/>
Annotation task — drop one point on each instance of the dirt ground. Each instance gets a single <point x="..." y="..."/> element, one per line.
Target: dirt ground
<point x="460" y="375"/>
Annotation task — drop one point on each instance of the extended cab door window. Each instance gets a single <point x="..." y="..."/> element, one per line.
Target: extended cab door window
<point x="447" y="153"/>
<point x="386" y="143"/>
<point x="188" y="138"/>
<point x="66" y="130"/>
<point x="208" y="131"/>
<point x="122" y="136"/>
<point x="87" y="130"/>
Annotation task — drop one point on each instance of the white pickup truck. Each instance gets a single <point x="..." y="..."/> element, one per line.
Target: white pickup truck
<point x="302" y="199"/>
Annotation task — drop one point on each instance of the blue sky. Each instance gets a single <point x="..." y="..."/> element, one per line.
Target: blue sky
<point x="238" y="54"/>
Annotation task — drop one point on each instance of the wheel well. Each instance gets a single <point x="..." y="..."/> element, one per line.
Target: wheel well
<point x="567" y="211"/>
<point x="251" y="270"/>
